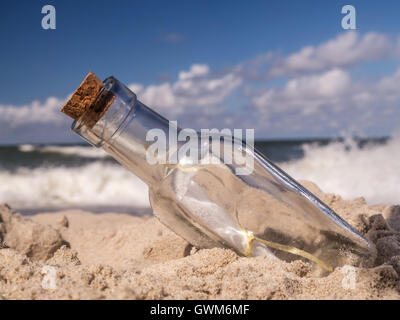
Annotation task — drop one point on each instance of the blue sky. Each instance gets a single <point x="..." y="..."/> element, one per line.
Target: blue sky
<point x="285" y="68"/>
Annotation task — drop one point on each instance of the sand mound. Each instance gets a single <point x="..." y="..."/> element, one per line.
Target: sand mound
<point x="80" y="255"/>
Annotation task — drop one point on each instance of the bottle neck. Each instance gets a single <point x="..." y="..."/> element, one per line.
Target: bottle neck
<point x="122" y="131"/>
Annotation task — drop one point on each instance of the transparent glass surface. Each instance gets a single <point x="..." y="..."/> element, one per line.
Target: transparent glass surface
<point x="263" y="213"/>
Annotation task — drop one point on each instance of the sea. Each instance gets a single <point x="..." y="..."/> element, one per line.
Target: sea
<point x="37" y="178"/>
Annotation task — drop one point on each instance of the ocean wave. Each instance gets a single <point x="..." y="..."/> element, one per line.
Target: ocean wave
<point x="26" y="148"/>
<point x="81" y="151"/>
<point x="95" y="184"/>
<point x="372" y="172"/>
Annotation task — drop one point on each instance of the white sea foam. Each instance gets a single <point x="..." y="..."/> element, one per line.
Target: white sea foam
<point x="81" y="151"/>
<point x="95" y="184"/>
<point x="26" y="148"/>
<point x="372" y="172"/>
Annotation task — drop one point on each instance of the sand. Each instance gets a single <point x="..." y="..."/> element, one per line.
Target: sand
<point x="80" y="255"/>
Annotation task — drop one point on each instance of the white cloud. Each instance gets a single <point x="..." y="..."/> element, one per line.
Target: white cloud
<point x="197" y="87"/>
<point x="305" y="94"/>
<point x="388" y="87"/>
<point x="196" y="70"/>
<point x="319" y="95"/>
<point x="331" y="100"/>
<point x="346" y="49"/>
<point x="35" y="112"/>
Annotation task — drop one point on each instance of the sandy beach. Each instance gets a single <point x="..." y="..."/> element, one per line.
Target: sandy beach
<point x="76" y="254"/>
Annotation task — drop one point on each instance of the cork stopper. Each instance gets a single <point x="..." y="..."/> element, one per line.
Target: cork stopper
<point x="89" y="100"/>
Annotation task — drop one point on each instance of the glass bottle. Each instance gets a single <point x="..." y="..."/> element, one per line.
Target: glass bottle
<point x="264" y="212"/>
